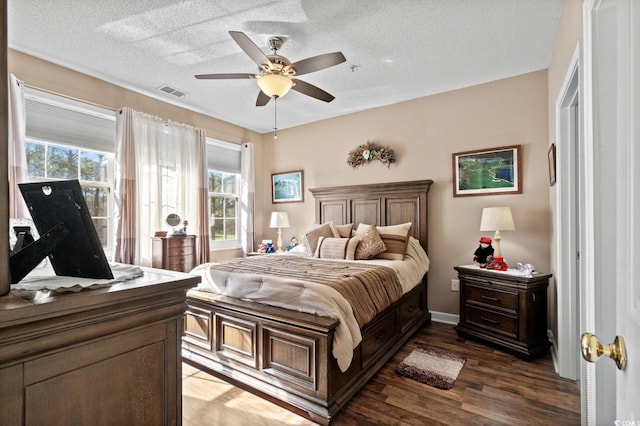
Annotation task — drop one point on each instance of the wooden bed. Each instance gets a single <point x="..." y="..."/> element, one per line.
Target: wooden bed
<point x="286" y="356"/>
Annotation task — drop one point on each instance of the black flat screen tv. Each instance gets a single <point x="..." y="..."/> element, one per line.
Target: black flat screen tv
<point x="80" y="253"/>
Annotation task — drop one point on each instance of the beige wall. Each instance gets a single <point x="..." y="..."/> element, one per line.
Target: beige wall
<point x="568" y="34"/>
<point x="424" y="133"/>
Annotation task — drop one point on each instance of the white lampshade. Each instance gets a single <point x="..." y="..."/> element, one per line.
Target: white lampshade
<point x="274" y="85"/>
<point x="497" y="219"/>
<point x="279" y="220"/>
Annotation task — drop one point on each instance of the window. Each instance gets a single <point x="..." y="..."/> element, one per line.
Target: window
<point x="49" y="161"/>
<point x="223" y="205"/>
<point x="67" y="139"/>
<point x="223" y="163"/>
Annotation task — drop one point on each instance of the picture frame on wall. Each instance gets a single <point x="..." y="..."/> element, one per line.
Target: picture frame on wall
<point x="287" y="187"/>
<point x="551" y="157"/>
<point x="491" y="171"/>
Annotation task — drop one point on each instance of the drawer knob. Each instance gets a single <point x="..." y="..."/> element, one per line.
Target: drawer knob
<point x="492" y="321"/>
<point x="491" y="299"/>
<point x="380" y="335"/>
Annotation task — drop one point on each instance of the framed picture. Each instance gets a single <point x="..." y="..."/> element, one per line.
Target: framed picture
<point x="287" y="187"/>
<point x="487" y="171"/>
<point x="551" y="157"/>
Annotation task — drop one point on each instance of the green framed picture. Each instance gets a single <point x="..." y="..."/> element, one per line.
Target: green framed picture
<point x="487" y="171"/>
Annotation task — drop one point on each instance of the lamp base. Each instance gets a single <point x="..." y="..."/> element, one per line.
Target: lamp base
<point x="279" y="240"/>
<point x="497" y="252"/>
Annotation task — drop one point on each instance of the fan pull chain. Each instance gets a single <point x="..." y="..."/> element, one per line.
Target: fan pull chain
<point x="275" y="117"/>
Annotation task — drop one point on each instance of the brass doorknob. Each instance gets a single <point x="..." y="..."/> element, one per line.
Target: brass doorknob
<point x="592" y="350"/>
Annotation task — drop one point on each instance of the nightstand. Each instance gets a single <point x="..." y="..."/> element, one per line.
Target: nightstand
<point x="176" y="253"/>
<point x="504" y="308"/>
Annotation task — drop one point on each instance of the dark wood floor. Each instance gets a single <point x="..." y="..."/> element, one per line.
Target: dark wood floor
<point x="493" y="388"/>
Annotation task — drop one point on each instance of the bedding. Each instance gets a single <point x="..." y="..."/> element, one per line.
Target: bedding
<point x="351" y="291"/>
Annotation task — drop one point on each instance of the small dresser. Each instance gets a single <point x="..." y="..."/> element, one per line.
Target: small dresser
<point x="504" y="308"/>
<point x="175" y="253"/>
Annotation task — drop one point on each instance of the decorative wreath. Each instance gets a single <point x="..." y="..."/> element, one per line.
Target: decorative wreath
<point x="370" y="151"/>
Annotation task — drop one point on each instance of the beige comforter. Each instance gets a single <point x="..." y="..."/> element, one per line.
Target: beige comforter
<point x="291" y="282"/>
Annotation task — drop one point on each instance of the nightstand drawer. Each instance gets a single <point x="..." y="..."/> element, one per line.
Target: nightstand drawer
<point x="492" y="320"/>
<point x="490" y="297"/>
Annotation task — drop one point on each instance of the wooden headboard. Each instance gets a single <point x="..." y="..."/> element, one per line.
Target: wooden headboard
<point x="381" y="204"/>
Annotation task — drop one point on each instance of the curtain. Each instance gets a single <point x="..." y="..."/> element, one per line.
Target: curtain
<point x="18" y="171"/>
<point x="186" y="157"/>
<point x="160" y="169"/>
<point x="202" y="231"/>
<point x="247" y="196"/>
<point x="125" y="214"/>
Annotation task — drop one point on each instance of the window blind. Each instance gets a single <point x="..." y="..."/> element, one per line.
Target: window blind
<point x="68" y="122"/>
<point x="223" y="156"/>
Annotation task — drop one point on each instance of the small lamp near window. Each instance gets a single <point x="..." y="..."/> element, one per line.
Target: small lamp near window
<point x="497" y="219"/>
<point x="279" y="220"/>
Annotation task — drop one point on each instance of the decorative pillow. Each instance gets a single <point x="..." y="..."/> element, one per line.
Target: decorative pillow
<point x="337" y="248"/>
<point x="396" y="239"/>
<point x="345" y="230"/>
<point x="370" y="242"/>
<point x="311" y="237"/>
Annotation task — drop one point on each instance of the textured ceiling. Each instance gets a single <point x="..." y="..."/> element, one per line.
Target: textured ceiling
<point x="396" y="50"/>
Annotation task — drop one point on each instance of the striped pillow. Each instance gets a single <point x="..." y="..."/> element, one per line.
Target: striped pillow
<point x="396" y="238"/>
<point x="337" y="248"/>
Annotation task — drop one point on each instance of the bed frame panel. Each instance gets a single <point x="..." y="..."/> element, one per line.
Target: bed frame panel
<point x="286" y="356"/>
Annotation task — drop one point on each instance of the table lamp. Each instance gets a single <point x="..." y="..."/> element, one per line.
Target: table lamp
<point x="497" y="219"/>
<point x="279" y="220"/>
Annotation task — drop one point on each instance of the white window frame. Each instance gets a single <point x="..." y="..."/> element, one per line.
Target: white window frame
<point x="109" y="183"/>
<point x="225" y="244"/>
<point x="218" y="245"/>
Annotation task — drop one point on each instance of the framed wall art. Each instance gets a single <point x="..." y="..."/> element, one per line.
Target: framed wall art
<point x="488" y="171"/>
<point x="287" y="187"/>
<point x="551" y="157"/>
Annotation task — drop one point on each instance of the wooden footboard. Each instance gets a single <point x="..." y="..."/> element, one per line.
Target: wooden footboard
<point x="286" y="356"/>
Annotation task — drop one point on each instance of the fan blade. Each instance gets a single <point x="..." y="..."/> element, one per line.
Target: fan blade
<point x="317" y="63"/>
<point x="224" y="76"/>
<point x="262" y="99"/>
<point x="311" y="90"/>
<point x="250" y="48"/>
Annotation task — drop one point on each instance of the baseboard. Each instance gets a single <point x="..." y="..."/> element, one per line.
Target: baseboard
<point x="554" y="352"/>
<point x="445" y="318"/>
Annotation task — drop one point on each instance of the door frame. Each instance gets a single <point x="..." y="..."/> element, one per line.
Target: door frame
<point x="565" y="224"/>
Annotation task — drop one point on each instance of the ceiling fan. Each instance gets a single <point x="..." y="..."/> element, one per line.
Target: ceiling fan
<point x="277" y="74"/>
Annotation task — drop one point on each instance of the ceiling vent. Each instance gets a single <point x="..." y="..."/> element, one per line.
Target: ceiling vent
<point x="172" y="91"/>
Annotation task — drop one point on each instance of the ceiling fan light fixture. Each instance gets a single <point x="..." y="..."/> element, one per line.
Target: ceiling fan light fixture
<point x="274" y="85"/>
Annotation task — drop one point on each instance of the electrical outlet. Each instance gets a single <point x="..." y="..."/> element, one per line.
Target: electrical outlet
<point x="455" y="285"/>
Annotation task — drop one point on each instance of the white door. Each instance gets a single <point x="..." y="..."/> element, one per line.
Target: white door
<point x="612" y="214"/>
